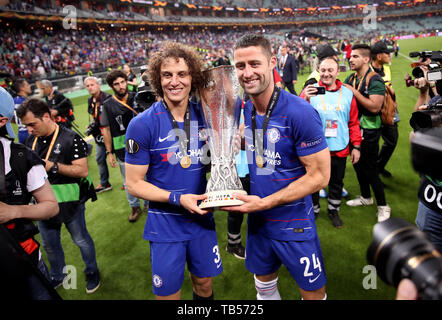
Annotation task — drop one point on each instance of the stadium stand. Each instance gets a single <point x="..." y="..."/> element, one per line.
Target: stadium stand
<point x="109" y="34"/>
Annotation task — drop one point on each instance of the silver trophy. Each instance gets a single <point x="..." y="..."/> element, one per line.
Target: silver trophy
<point x="222" y="103"/>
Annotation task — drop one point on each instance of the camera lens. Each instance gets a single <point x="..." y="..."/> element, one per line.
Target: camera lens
<point x="400" y="250"/>
<point x="417" y="72"/>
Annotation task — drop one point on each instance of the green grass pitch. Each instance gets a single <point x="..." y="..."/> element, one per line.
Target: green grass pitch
<point x="123" y="255"/>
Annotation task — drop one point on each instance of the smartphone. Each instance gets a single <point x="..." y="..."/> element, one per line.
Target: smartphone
<point x="320" y="90"/>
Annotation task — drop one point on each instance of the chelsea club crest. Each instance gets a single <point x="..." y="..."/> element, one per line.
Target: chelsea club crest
<point x="273" y="135"/>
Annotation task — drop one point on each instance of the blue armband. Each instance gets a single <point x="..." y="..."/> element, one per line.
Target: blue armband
<point x="174" y="198"/>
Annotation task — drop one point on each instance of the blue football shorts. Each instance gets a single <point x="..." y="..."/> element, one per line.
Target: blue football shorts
<point x="303" y="259"/>
<point x="168" y="261"/>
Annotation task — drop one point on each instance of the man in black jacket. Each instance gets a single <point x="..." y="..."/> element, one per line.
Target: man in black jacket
<point x="95" y="108"/>
<point x="61" y="107"/>
<point x="118" y="111"/>
<point x="23" y="177"/>
<point x="287" y="69"/>
<point x="65" y="155"/>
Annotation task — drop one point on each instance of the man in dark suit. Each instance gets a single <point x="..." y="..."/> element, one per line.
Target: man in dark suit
<point x="287" y="68"/>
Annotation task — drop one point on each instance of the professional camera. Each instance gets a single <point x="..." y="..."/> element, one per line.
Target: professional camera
<point x="145" y="96"/>
<point x="434" y="69"/>
<point x="400" y="250"/>
<point x="92" y="129"/>
<point x="429" y="118"/>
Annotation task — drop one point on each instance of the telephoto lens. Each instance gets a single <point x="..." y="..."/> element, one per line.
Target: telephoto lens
<point x="400" y="250"/>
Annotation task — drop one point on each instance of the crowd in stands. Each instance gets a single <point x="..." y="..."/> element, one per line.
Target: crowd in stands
<point x="40" y="53"/>
<point x="35" y="52"/>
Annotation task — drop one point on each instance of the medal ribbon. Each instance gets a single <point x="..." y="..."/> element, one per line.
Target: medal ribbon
<point x="259" y="146"/>
<point x="184" y="143"/>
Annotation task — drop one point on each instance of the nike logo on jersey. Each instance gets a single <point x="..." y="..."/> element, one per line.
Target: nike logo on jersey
<point x="313" y="280"/>
<point x="163" y="139"/>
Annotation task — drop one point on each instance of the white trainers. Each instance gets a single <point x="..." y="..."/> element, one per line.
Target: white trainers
<point x="383" y="213"/>
<point x="360" y="201"/>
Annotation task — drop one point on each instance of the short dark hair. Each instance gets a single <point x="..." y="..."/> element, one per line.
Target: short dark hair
<point x="254" y="40"/>
<point x="17" y="84"/>
<point x="114" y="75"/>
<point x="37" y="106"/>
<point x="365" y="49"/>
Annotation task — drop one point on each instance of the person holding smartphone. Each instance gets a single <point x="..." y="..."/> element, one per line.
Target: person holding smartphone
<point x="338" y="110"/>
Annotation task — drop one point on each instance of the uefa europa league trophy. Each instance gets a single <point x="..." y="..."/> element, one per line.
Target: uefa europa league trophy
<point x="222" y="108"/>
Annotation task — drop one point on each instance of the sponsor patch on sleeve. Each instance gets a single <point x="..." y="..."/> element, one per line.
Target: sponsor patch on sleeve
<point x="132" y="146"/>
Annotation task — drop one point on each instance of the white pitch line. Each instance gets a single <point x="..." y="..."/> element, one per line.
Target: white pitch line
<point x="407" y="57"/>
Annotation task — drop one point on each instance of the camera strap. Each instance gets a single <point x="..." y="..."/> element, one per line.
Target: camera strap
<point x="54" y="137"/>
<point x="125" y="105"/>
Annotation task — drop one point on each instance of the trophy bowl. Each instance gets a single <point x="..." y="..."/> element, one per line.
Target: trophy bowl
<point x="221" y="103"/>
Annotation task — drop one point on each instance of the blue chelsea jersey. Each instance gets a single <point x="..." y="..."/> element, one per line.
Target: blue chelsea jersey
<point x="150" y="140"/>
<point x="294" y="130"/>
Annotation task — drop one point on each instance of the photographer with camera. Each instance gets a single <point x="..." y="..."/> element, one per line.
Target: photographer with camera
<point x="403" y="255"/>
<point x="426" y="118"/>
<point x="23" y="272"/>
<point x="61" y="107"/>
<point x="95" y="108"/>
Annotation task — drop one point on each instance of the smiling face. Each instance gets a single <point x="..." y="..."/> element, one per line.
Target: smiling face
<point x="328" y="71"/>
<point x="176" y="81"/>
<point x="254" y="70"/>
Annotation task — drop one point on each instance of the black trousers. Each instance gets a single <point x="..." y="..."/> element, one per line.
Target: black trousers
<point x="367" y="169"/>
<point x="291" y="87"/>
<point x="335" y="186"/>
<point x="235" y="219"/>
<point x="390" y="136"/>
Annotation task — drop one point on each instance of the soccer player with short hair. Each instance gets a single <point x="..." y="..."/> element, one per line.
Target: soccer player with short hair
<point x="164" y="143"/>
<point x="288" y="161"/>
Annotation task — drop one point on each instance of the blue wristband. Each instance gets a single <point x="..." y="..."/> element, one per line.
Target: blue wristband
<point x="174" y="198"/>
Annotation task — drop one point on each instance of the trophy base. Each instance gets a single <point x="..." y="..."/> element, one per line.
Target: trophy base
<point x="221" y="198"/>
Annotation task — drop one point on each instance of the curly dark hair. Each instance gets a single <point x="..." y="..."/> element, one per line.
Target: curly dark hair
<point x="176" y="50"/>
<point x="113" y="75"/>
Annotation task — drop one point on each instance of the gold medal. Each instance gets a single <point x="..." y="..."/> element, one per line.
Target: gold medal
<point x="259" y="161"/>
<point x="185" y="162"/>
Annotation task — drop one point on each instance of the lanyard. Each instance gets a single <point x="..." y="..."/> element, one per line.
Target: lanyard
<point x="281" y="66"/>
<point x="57" y="129"/>
<point x="184" y="143"/>
<point x="259" y="147"/>
<point x="360" y="82"/>
<point x="339" y="101"/>
<point x="125" y="104"/>
<point x="96" y="104"/>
